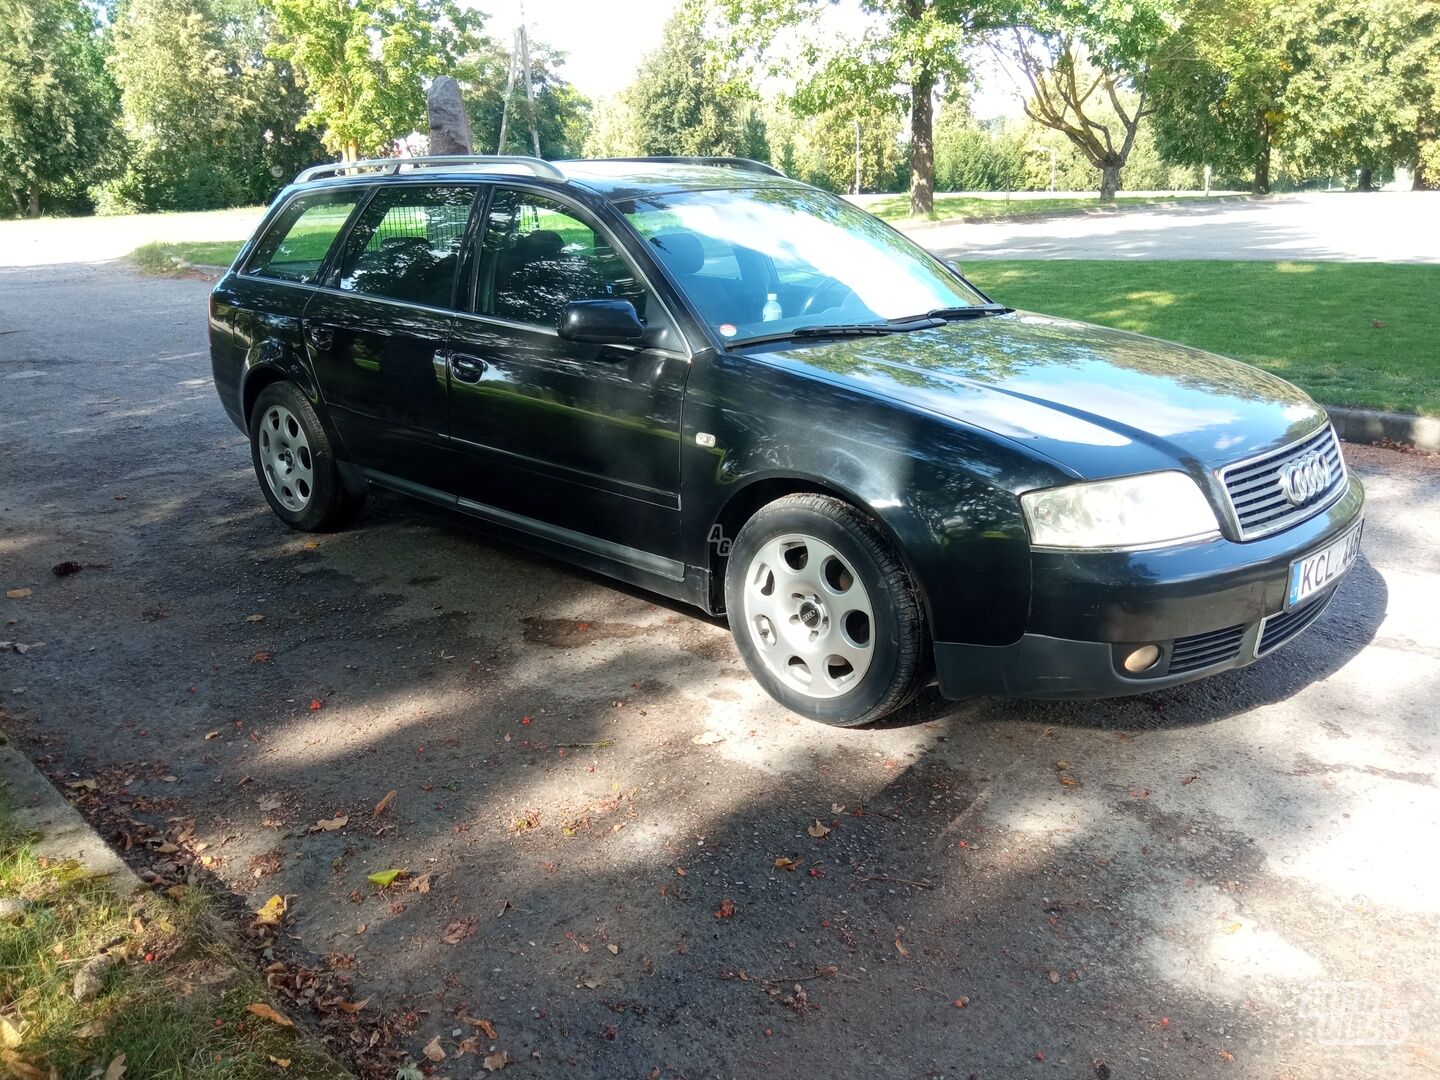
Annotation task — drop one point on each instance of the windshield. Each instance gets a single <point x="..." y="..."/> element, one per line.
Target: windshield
<point x="764" y="261"/>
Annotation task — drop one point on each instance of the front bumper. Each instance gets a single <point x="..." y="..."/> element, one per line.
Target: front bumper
<point x="1210" y="607"/>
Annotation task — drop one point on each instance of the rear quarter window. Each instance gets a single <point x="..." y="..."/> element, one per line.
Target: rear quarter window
<point x="295" y="245"/>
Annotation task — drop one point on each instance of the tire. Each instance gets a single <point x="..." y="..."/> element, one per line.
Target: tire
<point x="838" y="638"/>
<point x="295" y="462"/>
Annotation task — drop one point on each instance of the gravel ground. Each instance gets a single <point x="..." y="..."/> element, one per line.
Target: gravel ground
<point x="1228" y="879"/>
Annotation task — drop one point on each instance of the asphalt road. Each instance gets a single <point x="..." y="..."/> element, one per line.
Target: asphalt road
<point x="1228" y="879"/>
<point x="1397" y="227"/>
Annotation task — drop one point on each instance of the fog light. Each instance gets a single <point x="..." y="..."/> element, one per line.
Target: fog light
<point x="1142" y="659"/>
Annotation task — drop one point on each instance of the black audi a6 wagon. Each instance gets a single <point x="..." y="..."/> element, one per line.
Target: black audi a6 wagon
<point x="744" y="393"/>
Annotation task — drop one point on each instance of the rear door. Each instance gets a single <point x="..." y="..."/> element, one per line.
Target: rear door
<point x="581" y="441"/>
<point x="376" y="332"/>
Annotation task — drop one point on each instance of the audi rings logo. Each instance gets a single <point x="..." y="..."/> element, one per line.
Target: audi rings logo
<point x="1304" y="478"/>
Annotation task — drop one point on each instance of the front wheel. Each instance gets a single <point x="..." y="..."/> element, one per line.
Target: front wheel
<point x="824" y="612"/>
<point x="295" y="462"/>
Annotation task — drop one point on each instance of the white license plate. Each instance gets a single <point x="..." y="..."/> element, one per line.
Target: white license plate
<point x="1314" y="572"/>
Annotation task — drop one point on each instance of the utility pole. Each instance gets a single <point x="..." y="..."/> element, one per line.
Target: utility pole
<point x="520" y="59"/>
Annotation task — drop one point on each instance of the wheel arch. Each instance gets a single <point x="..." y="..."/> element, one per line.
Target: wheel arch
<point x="269" y="370"/>
<point x="743" y="503"/>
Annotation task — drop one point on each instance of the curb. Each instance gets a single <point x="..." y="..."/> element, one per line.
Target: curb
<point x="36" y="807"/>
<point x="1372" y="425"/>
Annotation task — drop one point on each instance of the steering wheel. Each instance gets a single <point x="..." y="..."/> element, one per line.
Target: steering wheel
<point x="812" y="301"/>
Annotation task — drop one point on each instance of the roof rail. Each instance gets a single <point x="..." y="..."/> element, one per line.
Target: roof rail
<point x="391" y="166"/>
<point x="743" y="164"/>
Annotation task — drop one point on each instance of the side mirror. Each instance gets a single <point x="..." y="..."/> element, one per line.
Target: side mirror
<point x="603" y="322"/>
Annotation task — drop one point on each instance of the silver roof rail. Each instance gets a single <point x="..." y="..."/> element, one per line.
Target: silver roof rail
<point x="744" y="164"/>
<point x="391" y="166"/>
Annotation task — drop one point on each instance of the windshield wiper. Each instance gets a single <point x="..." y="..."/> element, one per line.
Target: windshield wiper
<point x="969" y="311"/>
<point x="892" y="326"/>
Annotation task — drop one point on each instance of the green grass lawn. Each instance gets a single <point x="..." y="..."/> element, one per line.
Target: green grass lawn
<point x="165" y="258"/>
<point x="896" y="208"/>
<point x="1364" y="334"/>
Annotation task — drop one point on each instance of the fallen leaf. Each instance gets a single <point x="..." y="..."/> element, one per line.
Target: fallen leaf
<point x="254" y="618"/>
<point x="22" y="1070"/>
<point x="116" y="1069"/>
<point x="1226" y="1055"/>
<point x="316" y="704"/>
<point x="836" y="808"/>
<point x="266" y="1012"/>
<point x="331" y="824"/>
<point x="483" y="1024"/>
<point x="1234" y="928"/>
<point x="1053" y="976"/>
<point x="726" y="909"/>
<point x="212" y="735"/>
<point x="284" y="1063"/>
<point x="614" y="949"/>
<point x="900" y="947"/>
<point x="1069" y="781"/>
<point x="18" y="594"/>
<point x="433" y="1050"/>
<point x="384" y="878"/>
<point x="264" y="656"/>
<point x="458" y="930"/>
<point x="271" y="912"/>
<point x="818" y="830"/>
<point x="784" y="863"/>
<point x="10" y="1035"/>
<point x="421" y="884"/>
<point x="384" y="804"/>
<point x="496" y="1061"/>
<point x="352" y="1007"/>
<point x="87" y="785"/>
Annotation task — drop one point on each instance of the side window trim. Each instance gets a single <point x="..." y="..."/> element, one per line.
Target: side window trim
<point x="588" y="218"/>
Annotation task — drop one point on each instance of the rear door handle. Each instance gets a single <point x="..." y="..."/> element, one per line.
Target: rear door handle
<point x="467" y="369"/>
<point x="322" y="337"/>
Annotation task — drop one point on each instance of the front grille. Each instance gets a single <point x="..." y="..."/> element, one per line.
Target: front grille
<point x="1260" y="506"/>
<point x="1278" y="629"/>
<point x="1202" y="650"/>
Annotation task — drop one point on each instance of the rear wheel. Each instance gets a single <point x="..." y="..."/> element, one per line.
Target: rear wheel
<point x="295" y="462"/>
<point x="824" y="612"/>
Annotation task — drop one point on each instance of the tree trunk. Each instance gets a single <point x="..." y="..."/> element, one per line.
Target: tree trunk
<point x="350" y="152"/>
<point x="1366" y="180"/>
<point x="1261" y="186"/>
<point x="33" y="210"/>
<point x="922" y="145"/>
<point x="1109" y="182"/>
<point x="1423" y="179"/>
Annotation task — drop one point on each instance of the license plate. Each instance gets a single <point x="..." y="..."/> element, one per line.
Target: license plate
<point x="1314" y="572"/>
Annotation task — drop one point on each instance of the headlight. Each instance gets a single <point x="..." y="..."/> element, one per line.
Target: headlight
<point x="1131" y="512"/>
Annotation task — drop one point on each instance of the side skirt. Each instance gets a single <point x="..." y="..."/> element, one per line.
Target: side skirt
<point x="668" y="577"/>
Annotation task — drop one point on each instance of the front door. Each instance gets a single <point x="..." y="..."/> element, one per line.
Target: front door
<point x="376" y="334"/>
<point x="579" y="439"/>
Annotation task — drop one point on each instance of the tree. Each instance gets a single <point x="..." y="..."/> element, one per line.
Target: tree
<point x="209" y="118"/>
<point x="682" y="100"/>
<point x="1365" y="94"/>
<point x="913" y="49"/>
<point x="57" y="104"/>
<point x="611" y="129"/>
<point x="1218" y="88"/>
<point x="365" y="63"/>
<point x="561" y="111"/>
<point x="1077" y="59"/>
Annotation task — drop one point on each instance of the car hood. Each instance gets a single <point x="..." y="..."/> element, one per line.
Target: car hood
<point x="1099" y="402"/>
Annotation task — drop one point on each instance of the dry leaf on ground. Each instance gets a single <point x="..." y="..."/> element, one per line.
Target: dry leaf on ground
<point x="271" y="912"/>
<point x="434" y="1051"/>
<point x="18" y="594"/>
<point x="330" y="824"/>
<point x="496" y="1061"/>
<point x="267" y="1012"/>
<point x="818" y="829"/>
<point x="116" y="1069"/>
<point x="384" y="804"/>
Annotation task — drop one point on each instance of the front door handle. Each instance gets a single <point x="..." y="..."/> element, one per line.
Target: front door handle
<point x="322" y="337"/>
<point x="467" y="369"/>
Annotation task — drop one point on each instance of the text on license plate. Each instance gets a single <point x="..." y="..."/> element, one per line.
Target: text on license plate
<point x="1312" y="573"/>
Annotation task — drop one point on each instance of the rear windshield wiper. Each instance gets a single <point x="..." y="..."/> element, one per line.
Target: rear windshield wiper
<point x="893" y="326"/>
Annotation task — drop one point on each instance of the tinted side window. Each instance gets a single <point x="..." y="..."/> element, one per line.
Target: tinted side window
<point x="539" y="255"/>
<point x="296" y="244"/>
<point x="406" y="244"/>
